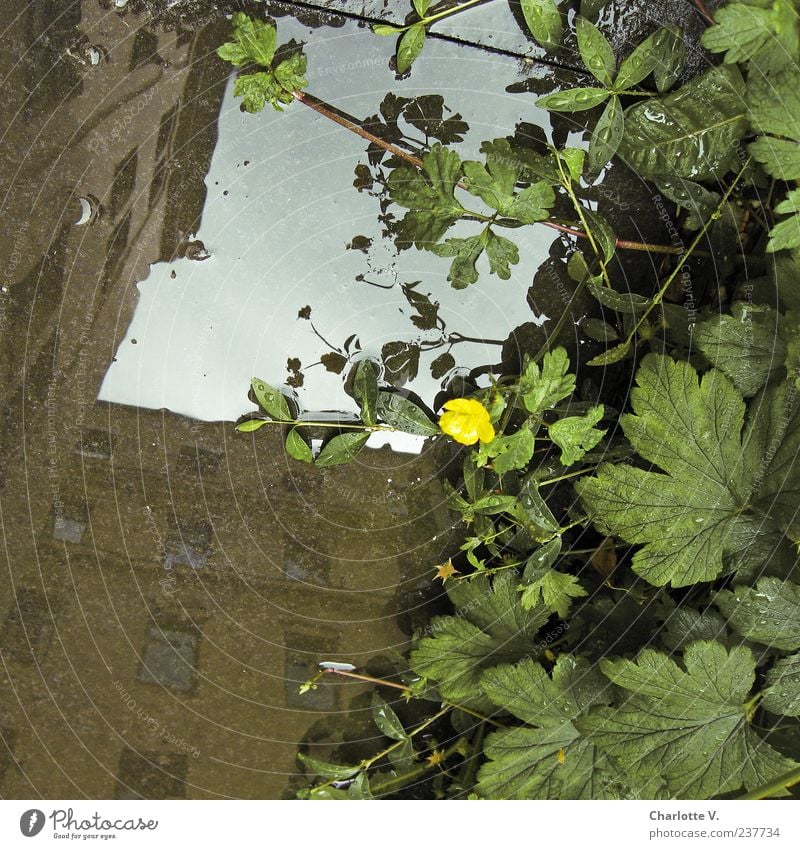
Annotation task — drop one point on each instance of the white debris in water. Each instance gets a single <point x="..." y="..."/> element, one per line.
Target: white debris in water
<point x="403" y="443"/>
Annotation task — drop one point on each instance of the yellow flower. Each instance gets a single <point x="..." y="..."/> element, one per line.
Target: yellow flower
<point x="467" y="421"/>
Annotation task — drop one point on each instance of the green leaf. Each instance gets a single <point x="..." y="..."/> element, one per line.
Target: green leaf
<point x="341" y="449"/>
<point x="385" y="29"/>
<point x="648" y="56"/>
<point x="575" y="435"/>
<point x="782" y="695"/>
<point x="365" y="390"/>
<point x="297" y="447"/>
<point x="602" y="232"/>
<point x="692" y="133"/>
<point x="688" y="518"/>
<point x="669" y="47"/>
<point x="490" y="628"/>
<point x="774" y="103"/>
<point x="612" y="355"/>
<point x="502" y="253"/>
<point x="765" y="34"/>
<point x="551" y="761"/>
<point x="628" y="303"/>
<point x="465" y="253"/>
<point x="574" y="157"/>
<point x="410" y="46"/>
<point x="233" y="52"/>
<point x="510" y="452"/>
<point x="541" y="560"/>
<point x="256" y="90"/>
<point x="768" y="613"/>
<point x="249" y="425"/>
<point x="291" y="74"/>
<point x="542" y="389"/>
<point x="779" y="157"/>
<point x="402" y="414"/>
<point x="271" y="400"/>
<point x="421" y="7"/>
<point x="257" y="39"/>
<point x="606" y="136"/>
<point x="595" y="51"/>
<point x="690" y="727"/>
<point x="598" y="330"/>
<point x="429" y="195"/>
<point x="786" y="234"/>
<point x="532" y="204"/>
<point x="386" y="719"/>
<point x="555" y="589"/>
<point x="544" y="21"/>
<point x="338" y="772"/>
<point x="574" y="99"/>
<point x="748" y="346"/>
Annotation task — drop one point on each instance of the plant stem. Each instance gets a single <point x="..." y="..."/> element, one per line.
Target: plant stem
<point x="451" y="11"/>
<point x="337" y="425"/>
<point x="777" y="785"/>
<point x="658" y="297"/>
<point x="369" y="679"/>
<point x="570" y="475"/>
<point x="703" y="9"/>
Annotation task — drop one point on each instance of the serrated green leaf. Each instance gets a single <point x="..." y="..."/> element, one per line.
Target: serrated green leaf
<point x="531" y="204"/>
<point x="688" y="726"/>
<point x="270" y="400"/>
<point x="341" y="449"/>
<point x="699" y="510"/>
<point x="786" y="234"/>
<point x="685" y="625"/>
<point x="543" y="388"/>
<point x="692" y="133"/>
<point x="595" y="51"/>
<point x="410" y="46"/>
<point x="774" y="103"/>
<point x="502" y="253"/>
<point x="386" y="719"/>
<point x="782" y="694"/>
<point x="544" y="21"/>
<point x="510" y="452"/>
<point x="256" y="90"/>
<point x="257" y="39"/>
<point x="465" y="253"/>
<point x="551" y="761"/>
<point x="328" y="770"/>
<point x="297" y="447"/>
<point x="778" y="157"/>
<point x="575" y="435"/>
<point x="768" y="613"/>
<point x="555" y="590"/>
<point x="491" y="628"/>
<point x="765" y="34"/>
<point x="574" y="99"/>
<point x="606" y="136"/>
<point x="428" y="195"/>
<point x="249" y="425"/>
<point x="291" y="73"/>
<point x="233" y="52"/>
<point x="748" y="346"/>
<point x="401" y="413"/>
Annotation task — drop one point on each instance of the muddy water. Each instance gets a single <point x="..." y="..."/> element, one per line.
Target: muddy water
<point x="168" y="584"/>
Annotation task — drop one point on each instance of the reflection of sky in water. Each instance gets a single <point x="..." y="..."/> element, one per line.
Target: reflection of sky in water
<point x="278" y="242"/>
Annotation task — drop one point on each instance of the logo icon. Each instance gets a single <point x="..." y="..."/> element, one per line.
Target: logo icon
<point x="31" y="822"/>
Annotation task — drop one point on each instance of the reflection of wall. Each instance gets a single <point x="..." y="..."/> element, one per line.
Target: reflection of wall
<point x="169" y="583"/>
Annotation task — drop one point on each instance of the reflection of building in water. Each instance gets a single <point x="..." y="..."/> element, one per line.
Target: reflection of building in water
<point x="169" y="583"/>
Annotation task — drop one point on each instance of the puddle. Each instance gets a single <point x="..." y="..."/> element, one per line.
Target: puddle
<point x="170" y="583"/>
